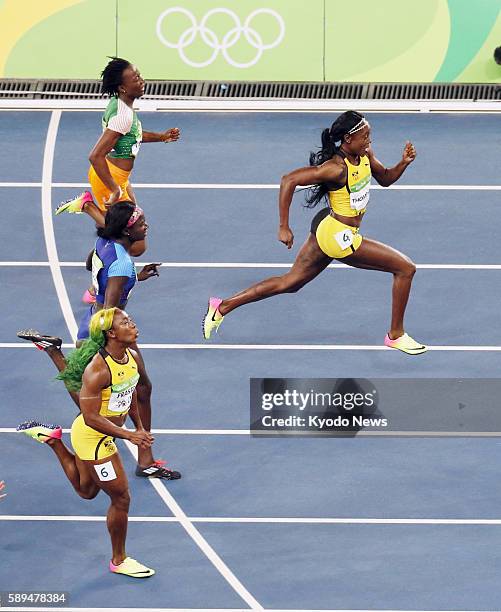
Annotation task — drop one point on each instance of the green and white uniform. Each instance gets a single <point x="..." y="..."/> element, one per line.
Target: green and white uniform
<point x="122" y="119"/>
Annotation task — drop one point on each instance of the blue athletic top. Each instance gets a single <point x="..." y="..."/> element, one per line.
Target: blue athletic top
<point x="111" y="259"/>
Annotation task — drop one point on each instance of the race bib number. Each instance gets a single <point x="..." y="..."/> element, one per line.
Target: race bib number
<point x="344" y="238"/>
<point x="120" y="402"/>
<point x="105" y="471"/>
<point x="360" y="199"/>
<point x="121" y="398"/>
<point x="135" y="148"/>
<point x="97" y="265"/>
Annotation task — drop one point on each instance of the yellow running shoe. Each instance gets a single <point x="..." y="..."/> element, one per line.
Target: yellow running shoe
<point x="41" y="432"/>
<point x="75" y="205"/>
<point x="213" y="318"/>
<point x="131" y="567"/>
<point x="406" y="344"/>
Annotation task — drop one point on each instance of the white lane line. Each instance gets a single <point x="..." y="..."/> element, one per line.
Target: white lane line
<point x="309" y="347"/>
<point x="20" y="184"/>
<point x="264" y="186"/>
<point x="402" y="187"/>
<point x="101" y="609"/>
<point x="237" y="264"/>
<point x="203" y="432"/>
<point x="48" y="228"/>
<point x="201" y="542"/>
<point x="81" y="519"/>
<point x="22" y="264"/>
<point x="283" y="347"/>
<point x="263" y="520"/>
<point x="265" y="105"/>
<point x="360" y="434"/>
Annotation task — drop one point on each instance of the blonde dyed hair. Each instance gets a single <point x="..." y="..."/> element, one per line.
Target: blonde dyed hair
<point x="79" y="359"/>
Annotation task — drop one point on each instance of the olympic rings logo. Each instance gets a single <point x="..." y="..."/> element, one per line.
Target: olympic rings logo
<point x="211" y="39"/>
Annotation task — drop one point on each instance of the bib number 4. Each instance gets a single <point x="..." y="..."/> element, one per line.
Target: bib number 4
<point x="344" y="238"/>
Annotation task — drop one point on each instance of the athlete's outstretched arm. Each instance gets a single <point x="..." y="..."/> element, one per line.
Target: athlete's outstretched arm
<point x="170" y="135"/>
<point x="116" y="284"/>
<point x="387" y="176"/>
<point x="331" y="171"/>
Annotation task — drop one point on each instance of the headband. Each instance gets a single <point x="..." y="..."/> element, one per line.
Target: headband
<point x="135" y="216"/>
<point x="359" y="126"/>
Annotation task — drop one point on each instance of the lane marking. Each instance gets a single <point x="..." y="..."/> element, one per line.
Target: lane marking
<point x="362" y="433"/>
<point x="48" y="228"/>
<point x="402" y="187"/>
<point x="276" y="105"/>
<point x="255" y="519"/>
<point x="101" y="609"/>
<point x="283" y="347"/>
<point x="21" y="185"/>
<point x="238" y="265"/>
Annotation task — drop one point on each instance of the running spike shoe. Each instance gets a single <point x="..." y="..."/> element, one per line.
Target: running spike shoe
<point x="42" y="342"/>
<point x="131" y="567"/>
<point x="41" y="432"/>
<point x="75" y="205"/>
<point x="406" y="344"/>
<point x="157" y="469"/>
<point x="213" y="318"/>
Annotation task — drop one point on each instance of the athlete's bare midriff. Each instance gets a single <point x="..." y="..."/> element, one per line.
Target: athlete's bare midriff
<point x="117" y="420"/>
<point x="123" y="163"/>
<point x="351" y="221"/>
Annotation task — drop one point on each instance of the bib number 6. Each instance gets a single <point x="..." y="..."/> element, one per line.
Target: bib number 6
<point x="105" y="471"/>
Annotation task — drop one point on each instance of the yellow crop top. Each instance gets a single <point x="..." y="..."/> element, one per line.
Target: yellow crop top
<point x="116" y="399"/>
<point x="352" y="199"/>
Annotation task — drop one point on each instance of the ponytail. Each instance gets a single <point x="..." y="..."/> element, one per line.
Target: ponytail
<point x="330" y="137"/>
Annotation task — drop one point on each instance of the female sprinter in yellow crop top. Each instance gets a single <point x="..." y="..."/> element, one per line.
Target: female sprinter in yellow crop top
<point x="341" y="172"/>
<point x="106" y="372"/>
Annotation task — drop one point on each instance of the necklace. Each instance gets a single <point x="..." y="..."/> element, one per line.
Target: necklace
<point x="122" y="361"/>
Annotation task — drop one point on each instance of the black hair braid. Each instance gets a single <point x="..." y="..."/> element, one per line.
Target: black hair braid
<point x="112" y="76"/>
<point x="341" y="126"/>
<point x="116" y="220"/>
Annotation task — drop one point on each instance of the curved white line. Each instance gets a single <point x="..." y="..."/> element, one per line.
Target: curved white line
<point x="64" y="302"/>
<point x="48" y="228"/>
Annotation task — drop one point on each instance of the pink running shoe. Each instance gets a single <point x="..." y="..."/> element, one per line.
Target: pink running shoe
<point x="406" y="344"/>
<point x="75" y="205"/>
<point x="213" y="317"/>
